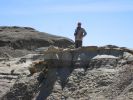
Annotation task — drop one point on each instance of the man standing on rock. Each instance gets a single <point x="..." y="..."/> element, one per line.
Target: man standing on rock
<point x="79" y="34"/>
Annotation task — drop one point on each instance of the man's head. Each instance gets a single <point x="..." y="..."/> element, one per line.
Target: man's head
<point x="79" y="24"/>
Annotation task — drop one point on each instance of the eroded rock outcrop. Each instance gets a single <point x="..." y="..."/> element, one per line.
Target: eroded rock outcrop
<point x="87" y="73"/>
<point x="82" y="56"/>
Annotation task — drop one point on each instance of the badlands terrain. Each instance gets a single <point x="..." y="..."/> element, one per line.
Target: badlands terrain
<point x="39" y="66"/>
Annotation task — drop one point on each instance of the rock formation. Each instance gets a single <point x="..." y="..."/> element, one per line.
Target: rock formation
<point x="32" y="67"/>
<point x="19" y="46"/>
<point x="87" y="73"/>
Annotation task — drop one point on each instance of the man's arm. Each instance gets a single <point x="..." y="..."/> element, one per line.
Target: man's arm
<point x="75" y="33"/>
<point x="85" y="33"/>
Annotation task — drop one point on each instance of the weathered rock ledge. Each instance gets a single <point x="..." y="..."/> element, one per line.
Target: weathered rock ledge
<point x="87" y="73"/>
<point x="81" y="56"/>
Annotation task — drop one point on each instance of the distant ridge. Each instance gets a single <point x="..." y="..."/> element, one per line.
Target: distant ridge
<point x="29" y="38"/>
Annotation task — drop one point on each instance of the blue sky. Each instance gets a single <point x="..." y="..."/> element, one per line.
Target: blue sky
<point x="106" y="21"/>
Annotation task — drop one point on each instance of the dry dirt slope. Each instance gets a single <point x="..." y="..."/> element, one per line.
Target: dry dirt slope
<point x="29" y="38"/>
<point x="17" y="41"/>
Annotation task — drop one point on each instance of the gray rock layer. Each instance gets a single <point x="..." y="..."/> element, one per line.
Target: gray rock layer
<point x="106" y="75"/>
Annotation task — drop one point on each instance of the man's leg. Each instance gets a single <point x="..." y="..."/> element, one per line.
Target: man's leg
<point x="80" y="43"/>
<point x="76" y="43"/>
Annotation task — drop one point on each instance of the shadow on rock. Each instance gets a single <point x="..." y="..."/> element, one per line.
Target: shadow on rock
<point x="54" y="74"/>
